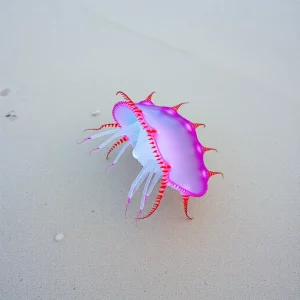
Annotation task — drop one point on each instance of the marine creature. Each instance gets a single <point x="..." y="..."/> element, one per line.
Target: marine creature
<point x="165" y="144"/>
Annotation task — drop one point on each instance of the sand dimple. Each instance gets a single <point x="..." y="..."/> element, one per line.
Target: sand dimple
<point x="96" y="113"/>
<point x="5" y="92"/>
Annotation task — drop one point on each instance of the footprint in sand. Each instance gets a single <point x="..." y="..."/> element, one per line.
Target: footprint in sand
<point x="5" y="92"/>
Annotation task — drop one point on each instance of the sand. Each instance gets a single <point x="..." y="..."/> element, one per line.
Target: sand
<point x="63" y="60"/>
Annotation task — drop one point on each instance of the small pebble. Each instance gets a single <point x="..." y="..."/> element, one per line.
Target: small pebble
<point x="59" y="237"/>
<point x="95" y="113"/>
<point x="5" y="92"/>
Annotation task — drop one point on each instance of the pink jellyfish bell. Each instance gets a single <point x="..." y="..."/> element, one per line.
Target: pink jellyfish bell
<point x="166" y="146"/>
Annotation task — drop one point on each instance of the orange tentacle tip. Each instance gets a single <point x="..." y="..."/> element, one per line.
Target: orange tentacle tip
<point x="124" y="96"/>
<point x="185" y="200"/>
<point x="104" y="126"/>
<point x="196" y="125"/>
<point x="149" y="98"/>
<point x="211" y="173"/>
<point x="190" y="218"/>
<point x="209" y="149"/>
<point x="176" y="107"/>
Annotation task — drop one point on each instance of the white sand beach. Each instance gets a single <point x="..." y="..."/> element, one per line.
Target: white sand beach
<point x="238" y="66"/>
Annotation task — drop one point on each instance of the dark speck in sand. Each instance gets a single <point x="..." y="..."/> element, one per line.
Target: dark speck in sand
<point x="5" y="92"/>
<point x="11" y="115"/>
<point x="93" y="211"/>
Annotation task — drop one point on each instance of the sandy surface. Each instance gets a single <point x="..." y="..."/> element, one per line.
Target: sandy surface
<point x="61" y="62"/>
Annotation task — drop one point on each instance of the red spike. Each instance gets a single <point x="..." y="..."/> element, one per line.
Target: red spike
<point x="104" y="126"/>
<point x="149" y="98"/>
<point x="176" y="107"/>
<point x="211" y="173"/>
<point x="161" y="191"/>
<point x="209" y="149"/>
<point x="116" y="144"/>
<point x="151" y="131"/>
<point x="124" y="96"/>
<point x="185" y="200"/>
<point x="198" y="124"/>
